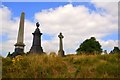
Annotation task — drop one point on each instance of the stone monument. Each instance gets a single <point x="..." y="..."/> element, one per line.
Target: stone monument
<point x="19" y="46"/>
<point x="36" y="45"/>
<point x="61" y="51"/>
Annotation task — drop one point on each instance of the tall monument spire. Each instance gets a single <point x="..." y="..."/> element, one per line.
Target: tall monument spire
<point x="21" y="29"/>
<point x="61" y="51"/>
<point x="36" y="46"/>
<point x="19" y="46"/>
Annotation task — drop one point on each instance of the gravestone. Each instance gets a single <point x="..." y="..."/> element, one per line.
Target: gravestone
<point x="19" y="46"/>
<point x="36" y="45"/>
<point x="61" y="51"/>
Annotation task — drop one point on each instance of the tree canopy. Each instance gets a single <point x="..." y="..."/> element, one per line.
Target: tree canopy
<point x="89" y="46"/>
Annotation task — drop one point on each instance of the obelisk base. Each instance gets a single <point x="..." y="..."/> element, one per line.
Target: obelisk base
<point x="19" y="49"/>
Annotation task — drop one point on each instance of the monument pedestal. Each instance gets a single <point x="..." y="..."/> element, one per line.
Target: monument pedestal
<point x="19" y="48"/>
<point x="36" y="49"/>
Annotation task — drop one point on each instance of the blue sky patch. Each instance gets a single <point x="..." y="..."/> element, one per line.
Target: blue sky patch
<point x="47" y="37"/>
<point x="113" y="36"/>
<point x="31" y="8"/>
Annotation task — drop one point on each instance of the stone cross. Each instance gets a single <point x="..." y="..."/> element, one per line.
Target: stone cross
<point x="61" y="51"/>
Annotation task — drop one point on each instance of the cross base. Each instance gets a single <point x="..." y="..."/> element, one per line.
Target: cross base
<point x="61" y="53"/>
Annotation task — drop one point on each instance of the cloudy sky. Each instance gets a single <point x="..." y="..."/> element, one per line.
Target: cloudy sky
<point x="77" y="21"/>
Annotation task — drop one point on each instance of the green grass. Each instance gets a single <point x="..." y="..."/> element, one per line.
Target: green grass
<point x="71" y="66"/>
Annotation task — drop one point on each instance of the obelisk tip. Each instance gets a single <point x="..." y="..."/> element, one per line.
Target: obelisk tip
<point x="22" y="13"/>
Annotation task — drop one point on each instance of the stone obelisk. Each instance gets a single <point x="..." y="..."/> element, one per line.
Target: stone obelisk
<point x="36" y="45"/>
<point x="61" y="51"/>
<point x="19" y="46"/>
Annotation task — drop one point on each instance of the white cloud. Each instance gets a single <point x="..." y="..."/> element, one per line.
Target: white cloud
<point x="110" y="8"/>
<point x="76" y="24"/>
<point x="109" y="44"/>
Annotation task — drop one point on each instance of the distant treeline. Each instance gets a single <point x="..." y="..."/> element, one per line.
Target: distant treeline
<point x="92" y="46"/>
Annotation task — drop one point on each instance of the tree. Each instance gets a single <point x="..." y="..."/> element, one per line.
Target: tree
<point x="89" y="46"/>
<point x="115" y="50"/>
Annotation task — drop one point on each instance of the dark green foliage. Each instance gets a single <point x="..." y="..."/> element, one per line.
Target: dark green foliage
<point x="115" y="50"/>
<point x="89" y="46"/>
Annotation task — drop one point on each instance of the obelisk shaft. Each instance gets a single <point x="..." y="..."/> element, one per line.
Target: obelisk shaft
<point x="21" y="29"/>
<point x="19" y="46"/>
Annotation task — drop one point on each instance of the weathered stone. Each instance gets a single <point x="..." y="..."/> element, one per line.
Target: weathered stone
<point x="61" y="51"/>
<point x="36" y="45"/>
<point x="19" y="46"/>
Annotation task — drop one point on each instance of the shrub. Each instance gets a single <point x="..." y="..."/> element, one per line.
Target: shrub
<point x="90" y="46"/>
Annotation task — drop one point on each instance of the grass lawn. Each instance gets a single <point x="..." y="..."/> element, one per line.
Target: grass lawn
<point x="71" y="66"/>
